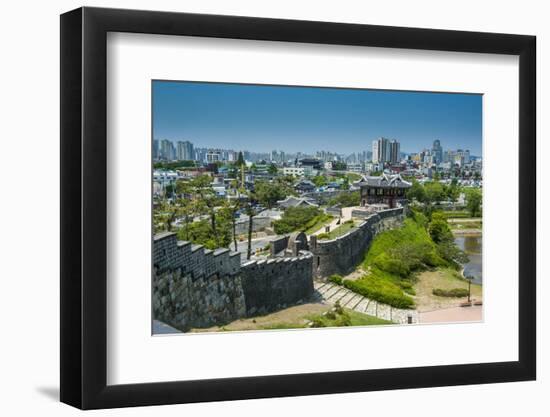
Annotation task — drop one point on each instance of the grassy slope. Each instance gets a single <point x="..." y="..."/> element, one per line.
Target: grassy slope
<point x="340" y="230"/>
<point x="385" y="286"/>
<point x="296" y="317"/>
<point x="320" y="221"/>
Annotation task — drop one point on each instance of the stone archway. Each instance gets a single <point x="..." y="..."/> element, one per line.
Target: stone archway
<point x="297" y="241"/>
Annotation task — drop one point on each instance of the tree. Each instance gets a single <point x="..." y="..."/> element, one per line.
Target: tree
<point x="240" y="160"/>
<point x="272" y="169"/>
<point x="268" y="193"/>
<point x="350" y="199"/>
<point x="473" y="201"/>
<point x="229" y="212"/>
<point x="319" y="180"/>
<point x="164" y="215"/>
<point x="187" y="206"/>
<point x="416" y="192"/>
<point x="453" y="192"/>
<point x="434" y="192"/>
<point x="295" y="218"/>
<point x="439" y="229"/>
<point x="339" y="166"/>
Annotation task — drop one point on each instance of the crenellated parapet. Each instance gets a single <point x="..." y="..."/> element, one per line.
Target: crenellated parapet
<point x="198" y="287"/>
<point x="196" y="260"/>
<point x="276" y="283"/>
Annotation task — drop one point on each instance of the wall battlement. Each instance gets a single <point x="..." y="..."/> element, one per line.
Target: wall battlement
<point x="275" y="283"/>
<point x="198" y="287"/>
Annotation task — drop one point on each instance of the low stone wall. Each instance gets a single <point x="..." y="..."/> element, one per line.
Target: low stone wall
<point x="323" y="197"/>
<point x="343" y="254"/>
<point x="258" y="224"/>
<point x="334" y="211"/>
<point x="278" y="245"/>
<point x="276" y="283"/>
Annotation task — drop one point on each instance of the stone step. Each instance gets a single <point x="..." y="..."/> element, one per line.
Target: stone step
<point x="347" y="298"/>
<point x="331" y="292"/>
<point x="325" y="288"/>
<point x="335" y="296"/>
<point x="320" y="286"/>
<point x="384" y="311"/>
<point x="357" y="302"/>
<point x="362" y="306"/>
<point x="372" y="309"/>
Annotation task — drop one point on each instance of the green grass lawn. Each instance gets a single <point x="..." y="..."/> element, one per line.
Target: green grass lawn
<point x="458" y="214"/>
<point x="319" y="222"/>
<point x="339" y="231"/>
<point x="298" y="318"/>
<point x="465" y="225"/>
<point x="347" y="318"/>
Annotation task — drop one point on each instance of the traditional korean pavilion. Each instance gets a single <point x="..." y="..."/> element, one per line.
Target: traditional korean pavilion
<point x="385" y="189"/>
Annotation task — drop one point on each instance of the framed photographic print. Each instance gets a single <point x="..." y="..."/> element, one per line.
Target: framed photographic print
<point x="258" y="207"/>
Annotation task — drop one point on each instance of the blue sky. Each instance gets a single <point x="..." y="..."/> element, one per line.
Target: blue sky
<point x="261" y="118"/>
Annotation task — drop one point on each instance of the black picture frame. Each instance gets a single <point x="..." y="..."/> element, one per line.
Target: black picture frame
<point x="84" y="207"/>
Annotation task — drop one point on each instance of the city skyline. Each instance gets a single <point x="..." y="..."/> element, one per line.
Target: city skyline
<point x="305" y="153"/>
<point x="309" y="119"/>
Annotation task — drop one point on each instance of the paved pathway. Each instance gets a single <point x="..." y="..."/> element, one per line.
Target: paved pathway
<point x="162" y="328"/>
<point x="331" y="293"/>
<point x="337" y="221"/>
<point x="454" y="314"/>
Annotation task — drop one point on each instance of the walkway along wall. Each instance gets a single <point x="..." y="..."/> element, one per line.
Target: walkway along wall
<point x="197" y="287"/>
<point x="343" y="254"/>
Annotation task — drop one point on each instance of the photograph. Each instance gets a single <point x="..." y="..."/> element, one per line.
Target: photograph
<point x="296" y="207"/>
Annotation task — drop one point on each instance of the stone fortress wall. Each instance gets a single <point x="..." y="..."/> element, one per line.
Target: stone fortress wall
<point x="343" y="254"/>
<point x="273" y="284"/>
<point x="198" y="287"/>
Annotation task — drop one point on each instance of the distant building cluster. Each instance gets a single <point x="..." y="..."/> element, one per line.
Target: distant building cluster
<point x="385" y="157"/>
<point x="166" y="150"/>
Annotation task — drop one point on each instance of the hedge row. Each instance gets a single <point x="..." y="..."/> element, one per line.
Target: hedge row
<point x="382" y="290"/>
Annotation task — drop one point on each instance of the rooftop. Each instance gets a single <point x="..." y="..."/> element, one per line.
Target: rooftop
<point x="383" y="181"/>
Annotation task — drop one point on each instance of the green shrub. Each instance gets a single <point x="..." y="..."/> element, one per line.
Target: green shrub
<point x="382" y="290"/>
<point x="331" y="315"/>
<point x="407" y="287"/>
<point x="296" y="218"/>
<point x="322" y="236"/>
<point x="336" y="279"/>
<point x="392" y="265"/>
<point x="455" y="292"/>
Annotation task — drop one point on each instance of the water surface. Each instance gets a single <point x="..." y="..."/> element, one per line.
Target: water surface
<point x="471" y="244"/>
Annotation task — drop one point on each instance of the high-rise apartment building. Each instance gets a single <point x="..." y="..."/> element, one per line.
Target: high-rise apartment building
<point x="382" y="149"/>
<point x="166" y="150"/>
<point x="395" y="152"/>
<point x="185" y="151"/>
<point x="437" y="152"/>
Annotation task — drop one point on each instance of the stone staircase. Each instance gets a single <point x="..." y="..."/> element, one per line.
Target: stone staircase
<point x="331" y="293"/>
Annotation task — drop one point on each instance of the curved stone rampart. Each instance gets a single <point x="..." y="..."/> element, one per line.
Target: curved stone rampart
<point x="343" y="254"/>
